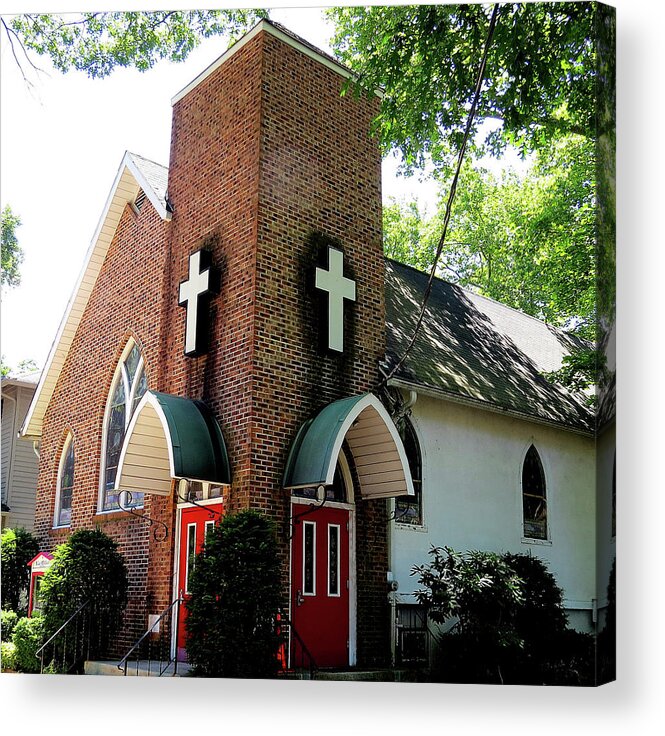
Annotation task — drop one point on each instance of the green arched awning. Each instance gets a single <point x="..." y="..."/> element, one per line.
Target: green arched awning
<point x="371" y="436"/>
<point x="171" y="437"/>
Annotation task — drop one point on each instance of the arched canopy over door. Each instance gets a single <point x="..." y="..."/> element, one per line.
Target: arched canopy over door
<point x="170" y="437"/>
<point x="372" y="438"/>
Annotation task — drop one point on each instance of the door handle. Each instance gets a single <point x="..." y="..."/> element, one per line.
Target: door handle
<point x="299" y="598"/>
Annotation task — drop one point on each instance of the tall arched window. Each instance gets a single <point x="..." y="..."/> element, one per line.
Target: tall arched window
<point x="129" y="384"/>
<point x="409" y="509"/>
<point x="65" y="487"/>
<point x="534" y="496"/>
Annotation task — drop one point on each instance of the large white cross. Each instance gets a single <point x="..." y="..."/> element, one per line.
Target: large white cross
<point x="196" y="286"/>
<point x="339" y="288"/>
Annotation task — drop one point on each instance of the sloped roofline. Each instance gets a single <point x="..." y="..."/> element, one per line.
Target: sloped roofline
<point x="126" y="185"/>
<point x="285" y="35"/>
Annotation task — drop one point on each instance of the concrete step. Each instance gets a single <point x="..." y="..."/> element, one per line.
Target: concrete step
<point x="366" y="675"/>
<point x="144" y="669"/>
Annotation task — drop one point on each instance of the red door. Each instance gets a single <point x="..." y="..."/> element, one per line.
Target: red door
<point x="195" y="523"/>
<point x="320" y="585"/>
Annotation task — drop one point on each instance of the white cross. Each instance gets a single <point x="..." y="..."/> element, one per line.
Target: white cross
<point x="196" y="285"/>
<point x="339" y="288"/>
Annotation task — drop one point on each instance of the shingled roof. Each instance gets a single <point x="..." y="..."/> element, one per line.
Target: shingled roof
<point x="475" y="349"/>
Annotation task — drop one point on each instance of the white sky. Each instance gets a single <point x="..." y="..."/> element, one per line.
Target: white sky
<point x="61" y="148"/>
<point x="62" y="143"/>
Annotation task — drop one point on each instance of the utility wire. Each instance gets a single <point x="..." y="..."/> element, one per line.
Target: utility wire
<point x="451" y="196"/>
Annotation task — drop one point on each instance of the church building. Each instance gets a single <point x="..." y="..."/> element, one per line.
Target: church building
<point x="230" y="343"/>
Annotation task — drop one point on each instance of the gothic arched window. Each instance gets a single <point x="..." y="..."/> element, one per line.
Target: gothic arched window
<point x="129" y="385"/>
<point x="534" y="496"/>
<point x="65" y="487"/>
<point x="409" y="509"/>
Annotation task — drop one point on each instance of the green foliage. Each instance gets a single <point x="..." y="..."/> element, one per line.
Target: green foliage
<point x="526" y="240"/>
<point x="27" y="639"/>
<point x="87" y="567"/>
<point x="8" y="619"/>
<point x="481" y="592"/>
<point x="540" y="79"/>
<point x="235" y="596"/>
<point x="12" y="255"/>
<point x="17" y="548"/>
<point x="98" y="43"/>
<point x="7" y="655"/>
<point x="505" y="621"/>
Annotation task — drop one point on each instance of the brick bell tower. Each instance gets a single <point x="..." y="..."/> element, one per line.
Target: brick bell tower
<point x="270" y="167"/>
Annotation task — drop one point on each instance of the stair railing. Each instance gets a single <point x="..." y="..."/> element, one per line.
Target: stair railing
<point x="163" y="662"/>
<point x="295" y="656"/>
<point x="75" y="623"/>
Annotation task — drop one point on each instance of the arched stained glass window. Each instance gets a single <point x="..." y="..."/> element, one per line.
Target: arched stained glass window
<point x="129" y="385"/>
<point x="409" y="509"/>
<point x="534" y="496"/>
<point x="63" y="498"/>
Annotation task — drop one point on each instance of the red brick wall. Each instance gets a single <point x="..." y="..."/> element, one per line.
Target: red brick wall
<point x="264" y="153"/>
<point x="125" y="303"/>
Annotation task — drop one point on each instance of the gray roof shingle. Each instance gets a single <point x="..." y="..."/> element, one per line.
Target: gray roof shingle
<point x="477" y="349"/>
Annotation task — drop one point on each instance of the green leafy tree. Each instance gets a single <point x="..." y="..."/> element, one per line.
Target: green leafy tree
<point x="235" y="596"/>
<point x="526" y="240"/>
<point x="86" y="568"/>
<point x="12" y="255"/>
<point x="18" y="547"/>
<point x="98" y="43"/>
<point x="540" y="80"/>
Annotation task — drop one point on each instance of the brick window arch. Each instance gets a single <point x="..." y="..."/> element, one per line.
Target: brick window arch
<point x="65" y="485"/>
<point x="129" y="384"/>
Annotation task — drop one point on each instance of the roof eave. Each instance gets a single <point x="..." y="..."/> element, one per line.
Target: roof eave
<point x="439" y="393"/>
<point x="122" y="192"/>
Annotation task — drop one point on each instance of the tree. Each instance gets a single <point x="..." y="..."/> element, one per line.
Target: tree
<point x="12" y="255"/>
<point x="86" y="569"/>
<point x="97" y="43"/>
<point x="18" y="547"/>
<point x="526" y="240"/>
<point x="540" y="81"/>
<point x="235" y="596"/>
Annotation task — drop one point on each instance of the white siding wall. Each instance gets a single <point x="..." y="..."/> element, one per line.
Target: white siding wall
<point x="8" y="411"/>
<point x="472" y="462"/>
<point x="19" y="463"/>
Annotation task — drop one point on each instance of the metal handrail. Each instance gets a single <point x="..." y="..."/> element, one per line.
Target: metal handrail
<point x="285" y="620"/>
<point x="122" y="665"/>
<point x="40" y="652"/>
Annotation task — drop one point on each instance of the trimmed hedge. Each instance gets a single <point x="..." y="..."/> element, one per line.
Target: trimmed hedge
<point x="28" y="637"/>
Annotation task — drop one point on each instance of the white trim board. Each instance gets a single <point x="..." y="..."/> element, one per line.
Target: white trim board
<point x="268" y="27"/>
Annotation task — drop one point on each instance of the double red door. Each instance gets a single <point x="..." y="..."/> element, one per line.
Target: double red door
<point x="195" y="523"/>
<point x="320" y="584"/>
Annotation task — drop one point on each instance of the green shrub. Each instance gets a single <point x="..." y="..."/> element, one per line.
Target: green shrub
<point x="87" y="567"/>
<point x="17" y="548"/>
<point x="7" y="655"/>
<point x="8" y="621"/>
<point x="27" y="639"/>
<point x="506" y="618"/>
<point x="235" y="595"/>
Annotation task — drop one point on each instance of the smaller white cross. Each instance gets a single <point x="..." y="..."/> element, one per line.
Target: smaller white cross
<point x="339" y="288"/>
<point x="196" y="286"/>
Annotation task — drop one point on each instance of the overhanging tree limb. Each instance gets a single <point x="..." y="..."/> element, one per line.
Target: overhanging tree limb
<point x="451" y="196"/>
